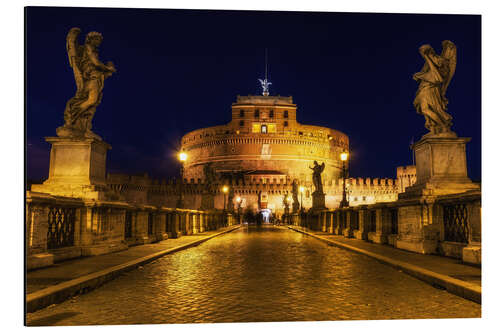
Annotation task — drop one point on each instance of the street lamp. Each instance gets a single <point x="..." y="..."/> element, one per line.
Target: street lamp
<point x="182" y="156"/>
<point x="238" y="200"/>
<point x="343" y="157"/>
<point x="225" y="189"/>
<point x="288" y="203"/>
<point x="301" y="189"/>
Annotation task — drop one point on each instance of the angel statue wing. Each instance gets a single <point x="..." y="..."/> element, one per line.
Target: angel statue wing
<point x="322" y="167"/>
<point x="449" y="52"/>
<point x="264" y="83"/>
<point x="74" y="55"/>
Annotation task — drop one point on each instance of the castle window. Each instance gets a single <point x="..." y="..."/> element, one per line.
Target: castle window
<point x="263" y="129"/>
<point x="285" y="114"/>
<point x="242" y="113"/>
<point x="242" y="123"/>
<point x="301" y="133"/>
<point x="271" y="114"/>
<point x="256" y="113"/>
<point x="285" y="124"/>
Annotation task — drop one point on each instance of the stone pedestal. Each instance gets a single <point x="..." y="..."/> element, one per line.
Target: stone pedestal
<point x="441" y="167"/>
<point x="77" y="168"/>
<point x="318" y="200"/>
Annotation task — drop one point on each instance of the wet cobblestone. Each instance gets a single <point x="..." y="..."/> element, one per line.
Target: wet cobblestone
<point x="258" y="274"/>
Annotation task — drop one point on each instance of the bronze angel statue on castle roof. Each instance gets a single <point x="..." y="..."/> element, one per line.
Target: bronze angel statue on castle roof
<point x="89" y="74"/>
<point x="434" y="79"/>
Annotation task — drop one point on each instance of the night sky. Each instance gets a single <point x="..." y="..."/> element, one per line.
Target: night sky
<point x="179" y="70"/>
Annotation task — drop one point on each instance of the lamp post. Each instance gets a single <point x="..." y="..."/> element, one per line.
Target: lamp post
<point x="238" y="200"/>
<point x="182" y="156"/>
<point x="225" y="189"/>
<point x="288" y="201"/>
<point x="343" y="157"/>
<point x="301" y="189"/>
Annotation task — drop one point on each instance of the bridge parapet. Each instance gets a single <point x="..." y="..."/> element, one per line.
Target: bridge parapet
<point x="60" y="228"/>
<point x="448" y="225"/>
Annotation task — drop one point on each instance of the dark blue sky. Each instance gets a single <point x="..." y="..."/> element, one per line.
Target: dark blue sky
<point x="179" y="70"/>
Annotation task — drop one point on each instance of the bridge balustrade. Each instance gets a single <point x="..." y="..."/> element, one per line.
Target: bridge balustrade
<point x="449" y="225"/>
<point x="60" y="228"/>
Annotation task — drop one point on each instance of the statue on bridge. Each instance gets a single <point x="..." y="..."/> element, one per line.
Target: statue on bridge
<point x="317" y="170"/>
<point x="90" y="74"/>
<point x="434" y="79"/>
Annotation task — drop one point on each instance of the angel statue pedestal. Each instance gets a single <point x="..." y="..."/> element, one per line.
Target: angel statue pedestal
<point x="318" y="200"/>
<point x="77" y="168"/>
<point x="441" y="165"/>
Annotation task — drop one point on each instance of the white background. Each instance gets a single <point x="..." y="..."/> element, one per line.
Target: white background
<point x="12" y="157"/>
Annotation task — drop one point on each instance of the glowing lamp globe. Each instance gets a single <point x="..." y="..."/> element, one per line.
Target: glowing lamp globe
<point x="344" y="156"/>
<point x="183" y="156"/>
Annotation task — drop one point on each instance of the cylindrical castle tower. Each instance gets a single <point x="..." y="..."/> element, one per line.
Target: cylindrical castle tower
<point x="264" y="138"/>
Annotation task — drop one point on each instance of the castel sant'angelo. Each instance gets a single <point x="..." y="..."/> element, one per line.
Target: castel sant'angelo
<point x="264" y="143"/>
<point x="263" y="150"/>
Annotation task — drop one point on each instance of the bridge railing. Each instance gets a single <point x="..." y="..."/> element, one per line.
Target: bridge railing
<point x="59" y="228"/>
<point x="447" y="225"/>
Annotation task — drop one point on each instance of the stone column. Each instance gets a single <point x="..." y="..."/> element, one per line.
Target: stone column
<point x="142" y="227"/>
<point x="36" y="235"/>
<point x="337" y="229"/>
<point x="323" y="221"/>
<point x="417" y="232"/>
<point x="202" y="222"/>
<point x="330" y="222"/>
<point x="382" y="223"/>
<point x="348" y="232"/>
<point x="176" y="224"/>
<point x="162" y="225"/>
<point x="88" y="224"/>
<point x="364" y="221"/>
<point x="472" y="252"/>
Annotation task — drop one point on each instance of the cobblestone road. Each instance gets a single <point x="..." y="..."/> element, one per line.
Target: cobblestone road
<point x="258" y="274"/>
